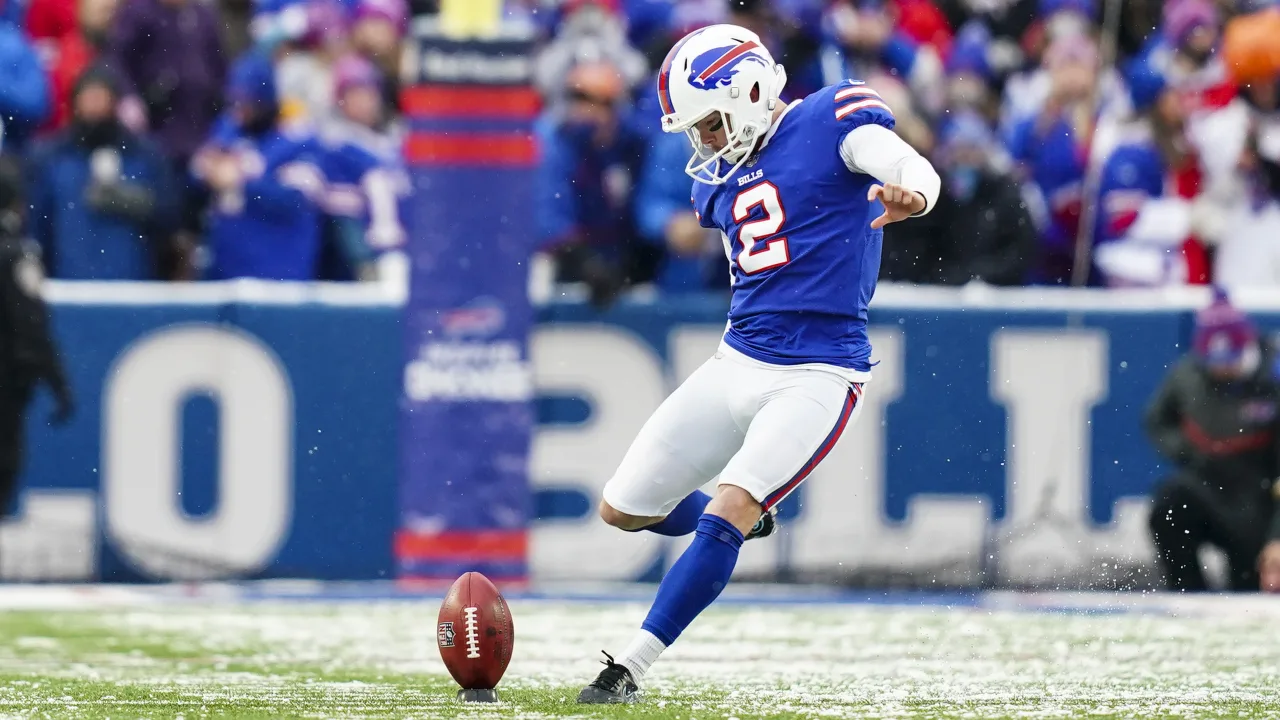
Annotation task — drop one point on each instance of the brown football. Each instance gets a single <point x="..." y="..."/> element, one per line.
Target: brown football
<point x="475" y="633"/>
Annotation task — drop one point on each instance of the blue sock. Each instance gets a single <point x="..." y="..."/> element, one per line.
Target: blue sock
<point x="684" y="519"/>
<point x="695" y="580"/>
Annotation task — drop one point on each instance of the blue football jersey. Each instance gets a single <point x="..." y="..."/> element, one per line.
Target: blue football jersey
<point x="796" y="221"/>
<point x="271" y="229"/>
<point x="367" y="181"/>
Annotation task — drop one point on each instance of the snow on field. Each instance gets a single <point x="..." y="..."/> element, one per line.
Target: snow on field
<point x="982" y="656"/>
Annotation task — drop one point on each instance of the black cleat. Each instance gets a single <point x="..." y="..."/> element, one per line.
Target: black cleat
<point x="764" y="527"/>
<point x="614" y="685"/>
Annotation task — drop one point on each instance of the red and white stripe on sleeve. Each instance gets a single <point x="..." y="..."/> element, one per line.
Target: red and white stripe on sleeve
<point x="859" y="97"/>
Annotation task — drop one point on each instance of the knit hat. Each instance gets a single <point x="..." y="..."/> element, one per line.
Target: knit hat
<point x="252" y="80"/>
<point x="969" y="53"/>
<point x="395" y="12"/>
<point x="1222" y="333"/>
<point x="354" y="71"/>
<point x="1086" y="8"/>
<point x="97" y="74"/>
<point x="1146" y="83"/>
<point x="1182" y="17"/>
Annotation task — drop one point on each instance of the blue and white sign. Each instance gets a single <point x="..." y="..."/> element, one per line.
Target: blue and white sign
<point x="246" y="431"/>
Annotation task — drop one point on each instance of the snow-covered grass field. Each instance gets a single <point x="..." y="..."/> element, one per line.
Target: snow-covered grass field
<point x="127" y="653"/>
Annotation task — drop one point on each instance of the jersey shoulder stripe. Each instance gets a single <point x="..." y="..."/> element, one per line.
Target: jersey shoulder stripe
<point x="854" y="96"/>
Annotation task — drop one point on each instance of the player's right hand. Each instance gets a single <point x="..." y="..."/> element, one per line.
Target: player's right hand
<point x="899" y="203"/>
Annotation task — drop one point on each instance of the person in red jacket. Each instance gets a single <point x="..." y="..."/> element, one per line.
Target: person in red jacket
<point x="68" y="51"/>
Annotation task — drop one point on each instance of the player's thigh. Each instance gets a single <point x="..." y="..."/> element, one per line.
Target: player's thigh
<point x="798" y="423"/>
<point x="682" y="446"/>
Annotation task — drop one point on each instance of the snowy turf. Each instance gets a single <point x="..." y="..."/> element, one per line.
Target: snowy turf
<point x="202" y="652"/>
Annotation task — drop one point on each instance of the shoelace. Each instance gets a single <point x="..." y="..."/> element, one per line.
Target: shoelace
<point x="614" y="676"/>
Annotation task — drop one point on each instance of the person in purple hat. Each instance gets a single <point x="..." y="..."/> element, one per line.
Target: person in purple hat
<point x="1215" y="418"/>
<point x="377" y="29"/>
<point x="368" y="187"/>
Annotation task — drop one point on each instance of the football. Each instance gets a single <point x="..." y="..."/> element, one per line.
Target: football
<point x="475" y="633"/>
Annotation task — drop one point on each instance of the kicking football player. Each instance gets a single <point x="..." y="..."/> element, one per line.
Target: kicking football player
<point x="793" y="190"/>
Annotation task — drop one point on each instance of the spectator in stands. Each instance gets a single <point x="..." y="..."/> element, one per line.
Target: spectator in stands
<point x="1215" y="417"/>
<point x="1051" y="149"/>
<point x="591" y="154"/>
<point x="48" y="21"/>
<point x="377" y="30"/>
<point x="304" y="39"/>
<point x="692" y="257"/>
<point x="792" y="31"/>
<point x="1007" y="20"/>
<point x="24" y="87"/>
<point x="1143" y="232"/>
<point x="1063" y="32"/>
<point x="69" y="54"/>
<point x="367" y="183"/>
<point x="1248" y="253"/>
<point x="590" y="31"/>
<point x="169" y="55"/>
<point x="864" y="43"/>
<point x="969" y="72"/>
<point x="266" y="181"/>
<point x="1185" y="53"/>
<point x="979" y="231"/>
<point x="101" y="197"/>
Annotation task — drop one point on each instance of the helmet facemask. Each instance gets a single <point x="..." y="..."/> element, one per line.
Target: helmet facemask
<point x="745" y="114"/>
<point x="705" y="163"/>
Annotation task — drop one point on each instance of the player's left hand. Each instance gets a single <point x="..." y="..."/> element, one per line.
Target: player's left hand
<point x="899" y="203"/>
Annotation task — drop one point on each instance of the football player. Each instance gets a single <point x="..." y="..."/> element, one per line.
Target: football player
<point x="800" y="194"/>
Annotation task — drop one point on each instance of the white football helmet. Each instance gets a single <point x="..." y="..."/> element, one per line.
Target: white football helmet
<point x="724" y="69"/>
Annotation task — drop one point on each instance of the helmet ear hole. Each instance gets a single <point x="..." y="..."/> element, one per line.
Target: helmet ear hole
<point x="755" y="93"/>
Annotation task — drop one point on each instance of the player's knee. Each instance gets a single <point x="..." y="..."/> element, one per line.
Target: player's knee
<point x="621" y="520"/>
<point x="736" y="505"/>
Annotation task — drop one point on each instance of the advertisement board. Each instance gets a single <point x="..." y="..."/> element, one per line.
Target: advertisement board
<point x="255" y="434"/>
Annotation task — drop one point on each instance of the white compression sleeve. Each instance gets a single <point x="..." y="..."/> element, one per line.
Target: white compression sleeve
<point x="878" y="151"/>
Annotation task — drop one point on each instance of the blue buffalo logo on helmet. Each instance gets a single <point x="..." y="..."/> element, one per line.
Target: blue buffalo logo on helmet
<point x="715" y="68"/>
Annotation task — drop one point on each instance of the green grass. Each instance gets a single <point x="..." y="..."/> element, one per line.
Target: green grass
<point x="379" y="660"/>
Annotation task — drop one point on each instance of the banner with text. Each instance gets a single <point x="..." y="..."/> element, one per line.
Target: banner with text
<point x="1000" y="443"/>
<point x="466" y="411"/>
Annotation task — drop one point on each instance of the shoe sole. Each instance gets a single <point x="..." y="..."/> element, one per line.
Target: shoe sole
<point x="596" y="696"/>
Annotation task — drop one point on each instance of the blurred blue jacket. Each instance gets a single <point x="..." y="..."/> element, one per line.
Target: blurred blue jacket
<point x="271" y="229"/>
<point x="80" y="242"/>
<point x="584" y="190"/>
<point x="24" y="86"/>
<point x="665" y="191"/>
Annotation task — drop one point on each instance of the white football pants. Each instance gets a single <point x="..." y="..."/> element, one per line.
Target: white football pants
<point x="761" y="427"/>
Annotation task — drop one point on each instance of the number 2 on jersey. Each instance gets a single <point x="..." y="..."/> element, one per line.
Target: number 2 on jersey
<point x="774" y="252"/>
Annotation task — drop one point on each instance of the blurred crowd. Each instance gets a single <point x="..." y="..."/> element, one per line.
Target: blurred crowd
<point x="1137" y="150"/>
<point x="184" y="139"/>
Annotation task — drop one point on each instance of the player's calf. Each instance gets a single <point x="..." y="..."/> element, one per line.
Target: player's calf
<point x="736" y="506"/>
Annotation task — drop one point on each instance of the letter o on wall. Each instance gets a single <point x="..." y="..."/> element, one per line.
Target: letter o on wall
<point x="143" y="401"/>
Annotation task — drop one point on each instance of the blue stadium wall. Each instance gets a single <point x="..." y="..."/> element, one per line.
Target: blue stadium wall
<point x="226" y="432"/>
